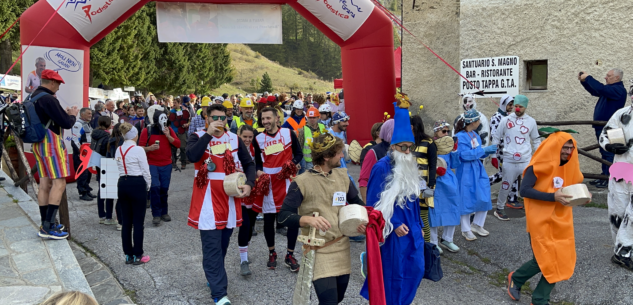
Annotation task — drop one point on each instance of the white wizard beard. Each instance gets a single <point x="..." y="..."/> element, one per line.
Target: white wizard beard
<point x="403" y="183"/>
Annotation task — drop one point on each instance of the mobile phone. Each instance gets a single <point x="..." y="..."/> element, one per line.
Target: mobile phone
<point x="157" y="142"/>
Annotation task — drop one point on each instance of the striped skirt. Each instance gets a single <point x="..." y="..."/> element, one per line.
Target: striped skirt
<point x="51" y="157"/>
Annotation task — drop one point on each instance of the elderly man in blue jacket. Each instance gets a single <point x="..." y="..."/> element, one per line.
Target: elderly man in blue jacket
<point x="611" y="97"/>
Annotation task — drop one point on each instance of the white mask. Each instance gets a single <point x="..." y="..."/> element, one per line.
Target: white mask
<point x="162" y="120"/>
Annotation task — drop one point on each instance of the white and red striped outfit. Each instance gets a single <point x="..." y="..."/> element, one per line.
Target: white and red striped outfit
<point x="211" y="208"/>
<point x="272" y="164"/>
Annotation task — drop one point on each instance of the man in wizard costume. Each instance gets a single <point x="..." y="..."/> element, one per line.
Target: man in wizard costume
<point x="393" y="188"/>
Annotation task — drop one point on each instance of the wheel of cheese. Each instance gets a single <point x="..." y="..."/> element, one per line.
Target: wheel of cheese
<point x="616" y="136"/>
<point x="354" y="151"/>
<point x="350" y="217"/>
<point x="232" y="182"/>
<point x="579" y="192"/>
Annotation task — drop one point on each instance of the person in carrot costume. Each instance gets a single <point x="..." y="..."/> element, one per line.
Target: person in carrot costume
<point x="550" y="222"/>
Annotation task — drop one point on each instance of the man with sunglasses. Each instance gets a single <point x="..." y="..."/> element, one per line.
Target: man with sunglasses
<point x="396" y="196"/>
<point x="518" y="130"/>
<point x="212" y="211"/>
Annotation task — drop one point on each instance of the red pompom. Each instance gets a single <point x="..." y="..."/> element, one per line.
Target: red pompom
<point x="455" y="146"/>
<point x="289" y="169"/>
<point x="262" y="185"/>
<point x="229" y="163"/>
<point x="248" y="201"/>
<point x="440" y="171"/>
<point x="201" y="177"/>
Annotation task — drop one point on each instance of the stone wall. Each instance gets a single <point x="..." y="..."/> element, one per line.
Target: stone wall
<point x="589" y="36"/>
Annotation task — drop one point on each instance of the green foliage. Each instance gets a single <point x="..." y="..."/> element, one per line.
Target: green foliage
<point x="266" y="85"/>
<point x="304" y="47"/>
<point x="10" y="43"/>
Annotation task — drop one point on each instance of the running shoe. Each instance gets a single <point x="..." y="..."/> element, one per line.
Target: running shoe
<point x="58" y="226"/>
<point x="292" y="263"/>
<point x="513" y="291"/>
<point x="623" y="262"/>
<point x="166" y="218"/>
<point x="439" y="249"/>
<point x="245" y="269"/>
<point x="52" y="234"/>
<point x="156" y="221"/>
<point x="363" y="264"/>
<point x="138" y="260"/>
<point x="272" y="261"/>
<point x="129" y="259"/>
<point x="110" y="222"/>
<point x="469" y="236"/>
<point x="223" y="301"/>
<point x="501" y="215"/>
<point x="514" y="205"/>
<point x="479" y="230"/>
<point x="451" y="247"/>
<point x="102" y="220"/>
<point x="119" y="227"/>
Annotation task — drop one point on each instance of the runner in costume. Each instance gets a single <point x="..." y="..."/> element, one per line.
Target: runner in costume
<point x="277" y="154"/>
<point x="505" y="108"/>
<point x="215" y="153"/>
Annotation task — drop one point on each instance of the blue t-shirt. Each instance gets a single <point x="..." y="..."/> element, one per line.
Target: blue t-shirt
<point x="341" y="135"/>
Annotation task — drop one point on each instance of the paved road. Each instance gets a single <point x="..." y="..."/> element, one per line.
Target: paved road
<point x="475" y="275"/>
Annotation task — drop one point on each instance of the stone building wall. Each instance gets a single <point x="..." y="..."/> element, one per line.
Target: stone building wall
<point x="573" y="36"/>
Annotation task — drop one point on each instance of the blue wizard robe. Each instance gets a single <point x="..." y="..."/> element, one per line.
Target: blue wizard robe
<point x="402" y="257"/>
<point x="474" y="185"/>
<point x="447" y="210"/>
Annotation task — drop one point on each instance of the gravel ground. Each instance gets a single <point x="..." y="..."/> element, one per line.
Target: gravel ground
<point x="474" y="275"/>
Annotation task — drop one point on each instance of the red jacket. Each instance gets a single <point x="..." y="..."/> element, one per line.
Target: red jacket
<point x="162" y="156"/>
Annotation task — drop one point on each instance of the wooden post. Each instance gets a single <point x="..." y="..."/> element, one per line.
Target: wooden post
<point x="591" y="147"/>
<point x="7" y="159"/>
<point x="588" y="155"/>
<point x="64" y="218"/>
<point x="563" y="123"/>
<point x="595" y="176"/>
<point x="19" y="145"/>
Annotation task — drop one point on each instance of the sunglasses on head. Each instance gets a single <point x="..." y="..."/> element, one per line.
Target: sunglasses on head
<point x="218" y="117"/>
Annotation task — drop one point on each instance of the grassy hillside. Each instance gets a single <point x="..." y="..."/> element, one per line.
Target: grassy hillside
<point x="250" y="66"/>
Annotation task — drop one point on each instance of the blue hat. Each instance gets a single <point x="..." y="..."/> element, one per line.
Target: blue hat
<point x="402" y="126"/>
<point x="340" y="117"/>
<point x="186" y="99"/>
<point x="471" y="116"/>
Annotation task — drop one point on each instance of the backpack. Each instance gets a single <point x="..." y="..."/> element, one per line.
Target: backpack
<point x="28" y="126"/>
<point x="100" y="146"/>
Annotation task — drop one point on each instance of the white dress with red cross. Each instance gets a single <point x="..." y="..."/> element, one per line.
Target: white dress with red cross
<point x="211" y="208"/>
<point x="273" y="161"/>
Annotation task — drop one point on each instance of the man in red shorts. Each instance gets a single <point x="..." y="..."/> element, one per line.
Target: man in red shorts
<point x="50" y="154"/>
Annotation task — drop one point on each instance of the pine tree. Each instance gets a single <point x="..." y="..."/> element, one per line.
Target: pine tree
<point x="266" y="84"/>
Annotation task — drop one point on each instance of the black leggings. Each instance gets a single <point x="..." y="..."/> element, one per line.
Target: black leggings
<point x="248" y="224"/>
<point x="331" y="290"/>
<point x="132" y="206"/>
<point x="269" y="232"/>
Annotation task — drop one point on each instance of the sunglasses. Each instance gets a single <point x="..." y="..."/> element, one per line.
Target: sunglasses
<point x="405" y="147"/>
<point x="218" y="117"/>
<point x="444" y="131"/>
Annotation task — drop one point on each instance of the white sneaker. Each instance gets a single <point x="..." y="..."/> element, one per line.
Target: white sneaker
<point x="223" y="301"/>
<point x="440" y="249"/>
<point x="451" y="247"/>
<point x="479" y="230"/>
<point x="469" y="236"/>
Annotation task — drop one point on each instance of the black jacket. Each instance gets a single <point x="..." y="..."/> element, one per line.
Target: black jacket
<point x="48" y="108"/>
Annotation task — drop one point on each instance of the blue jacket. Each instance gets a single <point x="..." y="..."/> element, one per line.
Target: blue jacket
<point x="611" y="98"/>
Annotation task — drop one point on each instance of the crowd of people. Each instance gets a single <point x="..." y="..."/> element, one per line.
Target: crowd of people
<point x="292" y="152"/>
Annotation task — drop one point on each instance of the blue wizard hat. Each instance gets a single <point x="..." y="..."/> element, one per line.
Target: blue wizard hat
<point x="402" y="124"/>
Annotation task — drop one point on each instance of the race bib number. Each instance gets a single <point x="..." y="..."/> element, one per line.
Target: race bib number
<point x="474" y="143"/>
<point x="558" y="182"/>
<point x="179" y="112"/>
<point x="339" y="199"/>
<point x="273" y="149"/>
<point x="218" y="149"/>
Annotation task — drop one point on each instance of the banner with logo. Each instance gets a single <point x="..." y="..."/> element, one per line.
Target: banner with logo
<point x="343" y="17"/>
<point x="11" y="82"/>
<point x="90" y="17"/>
<point x="219" y="23"/>
<point x="68" y="63"/>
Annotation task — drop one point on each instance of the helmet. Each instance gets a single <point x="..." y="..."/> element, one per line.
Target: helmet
<point x="205" y="101"/>
<point x="246" y="103"/>
<point x="325" y="108"/>
<point x="298" y="104"/>
<point x="313" y="113"/>
<point x="227" y="104"/>
<point x="340" y="117"/>
<point x="219" y="98"/>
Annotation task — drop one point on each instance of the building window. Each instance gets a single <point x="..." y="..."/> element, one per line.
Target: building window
<point x="536" y="74"/>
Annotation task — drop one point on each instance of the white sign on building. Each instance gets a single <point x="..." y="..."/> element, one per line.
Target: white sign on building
<point x="495" y="76"/>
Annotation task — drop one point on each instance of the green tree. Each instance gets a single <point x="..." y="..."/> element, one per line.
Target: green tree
<point x="266" y="84"/>
<point x="10" y="43"/>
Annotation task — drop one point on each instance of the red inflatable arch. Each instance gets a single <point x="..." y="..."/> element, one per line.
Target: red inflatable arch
<point x="367" y="55"/>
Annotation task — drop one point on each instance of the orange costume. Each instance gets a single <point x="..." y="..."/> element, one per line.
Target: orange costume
<point x="551" y="224"/>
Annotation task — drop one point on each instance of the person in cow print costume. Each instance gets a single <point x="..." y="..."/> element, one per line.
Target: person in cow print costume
<point x="517" y="130"/>
<point x="620" y="190"/>
<point x="468" y="102"/>
<point x="505" y="107"/>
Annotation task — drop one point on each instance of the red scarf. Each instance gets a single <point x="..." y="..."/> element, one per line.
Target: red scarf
<point x="375" y="280"/>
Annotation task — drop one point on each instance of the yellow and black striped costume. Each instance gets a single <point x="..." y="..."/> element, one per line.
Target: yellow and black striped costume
<point x="426" y="155"/>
